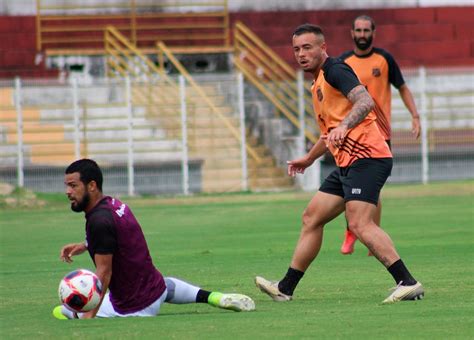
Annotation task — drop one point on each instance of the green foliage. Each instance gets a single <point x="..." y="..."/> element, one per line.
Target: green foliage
<point x="222" y="244"/>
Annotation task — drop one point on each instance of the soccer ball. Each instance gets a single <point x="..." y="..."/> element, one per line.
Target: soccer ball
<point x="80" y="290"/>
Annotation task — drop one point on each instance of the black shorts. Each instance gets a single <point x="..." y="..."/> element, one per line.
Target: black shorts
<point x="361" y="181"/>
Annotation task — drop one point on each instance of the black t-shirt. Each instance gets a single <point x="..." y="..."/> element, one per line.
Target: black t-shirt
<point x="340" y="75"/>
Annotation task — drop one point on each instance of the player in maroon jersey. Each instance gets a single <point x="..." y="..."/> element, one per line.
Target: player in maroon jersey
<point x="117" y="246"/>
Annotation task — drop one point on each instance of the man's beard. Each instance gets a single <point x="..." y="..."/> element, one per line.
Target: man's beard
<point x="82" y="205"/>
<point x="362" y="43"/>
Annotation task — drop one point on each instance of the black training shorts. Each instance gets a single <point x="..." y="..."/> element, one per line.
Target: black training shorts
<point x="361" y="181"/>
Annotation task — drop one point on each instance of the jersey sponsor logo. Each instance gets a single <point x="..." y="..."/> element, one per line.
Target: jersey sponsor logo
<point x="356" y="191"/>
<point x="319" y="93"/>
<point x="376" y="72"/>
<point x="121" y="211"/>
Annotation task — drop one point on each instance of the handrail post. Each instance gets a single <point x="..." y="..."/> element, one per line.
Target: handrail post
<point x="301" y="112"/>
<point x="226" y="24"/>
<point x="38" y="26"/>
<point x="106" y="51"/>
<point x="19" y="134"/>
<point x="130" y="165"/>
<point x="133" y="22"/>
<point x="161" y="59"/>
<point x="75" y="105"/>
<point x="243" y="142"/>
<point x="184" y="135"/>
<point x="424" y="127"/>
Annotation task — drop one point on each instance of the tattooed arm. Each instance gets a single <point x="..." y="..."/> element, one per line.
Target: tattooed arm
<point x="363" y="104"/>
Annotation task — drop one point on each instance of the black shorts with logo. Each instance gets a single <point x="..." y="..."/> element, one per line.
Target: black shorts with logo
<point x="360" y="181"/>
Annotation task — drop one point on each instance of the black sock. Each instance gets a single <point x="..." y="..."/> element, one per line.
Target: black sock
<point x="401" y="273"/>
<point x="288" y="284"/>
<point x="202" y="296"/>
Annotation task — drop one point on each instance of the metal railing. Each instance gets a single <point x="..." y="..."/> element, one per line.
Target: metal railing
<point x="68" y="26"/>
<point x="125" y="59"/>
<point x="164" y="50"/>
<point x="274" y="78"/>
<point x="45" y="124"/>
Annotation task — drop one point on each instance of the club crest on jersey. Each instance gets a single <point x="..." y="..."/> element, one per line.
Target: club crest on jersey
<point x="376" y="72"/>
<point x="319" y="94"/>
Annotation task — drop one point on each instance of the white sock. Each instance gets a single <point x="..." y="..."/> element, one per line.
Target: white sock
<point x="180" y="292"/>
<point x="68" y="314"/>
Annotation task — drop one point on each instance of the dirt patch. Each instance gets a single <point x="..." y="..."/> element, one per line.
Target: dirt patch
<point x="20" y="198"/>
<point x="6" y="189"/>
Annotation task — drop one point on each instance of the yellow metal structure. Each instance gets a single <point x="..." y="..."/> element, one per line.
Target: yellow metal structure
<point x="189" y="26"/>
<point x="213" y="134"/>
<point x="272" y="76"/>
<point x="234" y="132"/>
<point x="125" y="59"/>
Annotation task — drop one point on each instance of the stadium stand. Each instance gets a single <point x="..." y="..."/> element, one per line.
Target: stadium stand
<point x="432" y="37"/>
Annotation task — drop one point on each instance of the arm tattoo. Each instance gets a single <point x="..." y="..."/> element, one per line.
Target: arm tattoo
<point x="363" y="103"/>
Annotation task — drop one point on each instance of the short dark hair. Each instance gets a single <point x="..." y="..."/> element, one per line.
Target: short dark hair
<point x="88" y="171"/>
<point x="308" y="28"/>
<point x="364" y="17"/>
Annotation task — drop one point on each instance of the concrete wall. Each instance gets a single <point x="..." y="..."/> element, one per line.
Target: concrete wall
<point x="432" y="36"/>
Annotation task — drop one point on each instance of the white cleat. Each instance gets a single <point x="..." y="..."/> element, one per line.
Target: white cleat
<point x="236" y="302"/>
<point x="404" y="293"/>
<point x="271" y="289"/>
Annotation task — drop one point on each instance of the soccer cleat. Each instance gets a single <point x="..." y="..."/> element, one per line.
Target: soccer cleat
<point x="57" y="313"/>
<point x="235" y="302"/>
<point x="271" y="289"/>
<point x="404" y="293"/>
<point x="347" y="247"/>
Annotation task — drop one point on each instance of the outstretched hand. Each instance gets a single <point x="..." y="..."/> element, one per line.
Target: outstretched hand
<point x="298" y="166"/>
<point x="415" y="127"/>
<point x="70" y="250"/>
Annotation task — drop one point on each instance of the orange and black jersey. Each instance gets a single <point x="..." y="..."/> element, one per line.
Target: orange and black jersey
<point x="376" y="71"/>
<point x="330" y="88"/>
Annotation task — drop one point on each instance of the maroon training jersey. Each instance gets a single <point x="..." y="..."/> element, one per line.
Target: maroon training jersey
<point x="111" y="228"/>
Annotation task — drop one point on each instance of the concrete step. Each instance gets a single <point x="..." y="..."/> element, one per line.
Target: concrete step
<point x="214" y="142"/>
<point x="209" y="132"/>
<point x="34" y="132"/>
<point x="221" y="173"/>
<point x="215" y="153"/>
<point x="224" y="163"/>
<point x="41" y="154"/>
<point x="139" y="156"/>
<point x="152" y="146"/>
<point x="267" y="172"/>
<point x="224" y="185"/>
<point x="7" y="97"/>
<point x="10" y="116"/>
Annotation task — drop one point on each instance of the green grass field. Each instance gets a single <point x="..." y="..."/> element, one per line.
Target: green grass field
<point x="222" y="242"/>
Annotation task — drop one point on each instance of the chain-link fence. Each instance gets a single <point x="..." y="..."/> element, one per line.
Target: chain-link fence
<point x="169" y="144"/>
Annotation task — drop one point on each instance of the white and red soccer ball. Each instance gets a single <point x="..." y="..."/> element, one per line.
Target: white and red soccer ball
<point x="80" y="290"/>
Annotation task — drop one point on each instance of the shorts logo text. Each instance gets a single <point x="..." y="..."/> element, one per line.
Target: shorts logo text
<point x="356" y="191"/>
